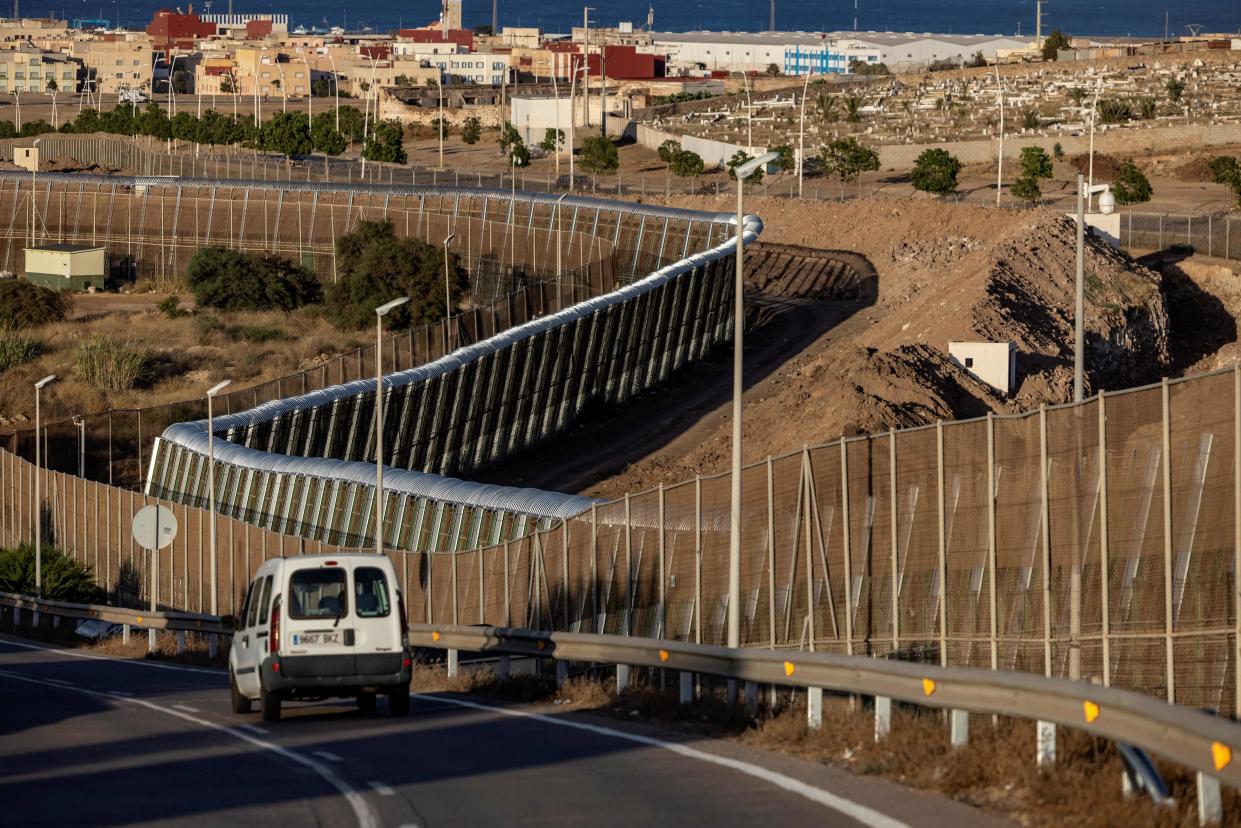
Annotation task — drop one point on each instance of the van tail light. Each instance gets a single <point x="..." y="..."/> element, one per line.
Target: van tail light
<point x="400" y="607"/>
<point x="273" y="637"/>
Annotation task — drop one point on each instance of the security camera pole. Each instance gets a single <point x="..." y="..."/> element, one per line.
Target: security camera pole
<point x="734" y="536"/>
<point x="1107" y="203"/>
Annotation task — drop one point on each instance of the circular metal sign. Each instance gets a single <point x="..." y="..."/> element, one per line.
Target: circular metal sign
<point x="154" y="527"/>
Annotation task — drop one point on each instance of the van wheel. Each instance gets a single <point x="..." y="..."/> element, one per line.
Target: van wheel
<point x="241" y="704"/>
<point x="398" y="701"/>
<point x="366" y="701"/>
<point x="270" y="705"/>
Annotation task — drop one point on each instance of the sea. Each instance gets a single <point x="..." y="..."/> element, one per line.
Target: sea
<point x="1138" y="18"/>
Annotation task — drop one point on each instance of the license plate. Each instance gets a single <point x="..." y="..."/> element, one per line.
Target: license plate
<point x="317" y="639"/>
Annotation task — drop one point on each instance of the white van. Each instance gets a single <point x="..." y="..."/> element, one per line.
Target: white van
<point x="320" y="626"/>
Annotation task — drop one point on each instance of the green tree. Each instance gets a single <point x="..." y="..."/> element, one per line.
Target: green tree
<point x="62" y="578"/>
<point x="385" y="143"/>
<point x="352" y="123"/>
<point x="377" y="265"/>
<point x="773" y="70"/>
<point x="154" y="122"/>
<point x="52" y="85"/>
<point x="1076" y="95"/>
<point x="977" y="61"/>
<point x="935" y="171"/>
<point x="287" y="133"/>
<point x="825" y="107"/>
<point x="182" y="82"/>
<point x="598" y="156"/>
<point x="846" y="159"/>
<point x="321" y="88"/>
<point x="1176" y="89"/>
<point x="471" y="130"/>
<point x="787" y="160"/>
<point x="1053" y="43"/>
<point x="668" y="150"/>
<point x="234" y="281"/>
<point x="519" y="154"/>
<point x="1035" y="163"/>
<point x="853" y="109"/>
<point x="323" y="134"/>
<point x="1026" y="188"/>
<point x="686" y="164"/>
<point x="1131" y="185"/>
<point x="507" y="137"/>
<point x="553" y="139"/>
<point x="1226" y="170"/>
<point x="1030" y="119"/>
<point x="185" y="127"/>
<point x="36" y="127"/>
<point x="440" y="127"/>
<point x="88" y="121"/>
<point x="741" y="157"/>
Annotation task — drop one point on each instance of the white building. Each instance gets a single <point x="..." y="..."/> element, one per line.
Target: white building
<point x="795" y="52"/>
<point x="470" y="67"/>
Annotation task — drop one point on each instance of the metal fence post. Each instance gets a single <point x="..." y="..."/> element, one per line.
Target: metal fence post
<point x="663" y="578"/>
<point x="698" y="559"/>
<point x="992" y="600"/>
<point x="846" y="547"/>
<point x="942" y="563"/>
<point x="1167" y="543"/>
<point x="1236" y="528"/>
<point x="1044" y="526"/>
<point x="771" y="562"/>
<point x="893" y="509"/>
<point x="1105" y="589"/>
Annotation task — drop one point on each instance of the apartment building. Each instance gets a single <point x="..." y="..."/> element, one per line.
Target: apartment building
<point x="114" y="62"/>
<point x="272" y="73"/>
<point x="24" y="70"/>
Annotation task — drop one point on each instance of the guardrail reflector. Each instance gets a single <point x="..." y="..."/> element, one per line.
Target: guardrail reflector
<point x="435" y="636"/>
<point x="542" y="645"/>
<point x="1222" y="754"/>
<point x="663" y="655"/>
<point x="928" y="686"/>
<point x="789" y="668"/>
<point x="1091" y="710"/>
<point x="139" y="619"/>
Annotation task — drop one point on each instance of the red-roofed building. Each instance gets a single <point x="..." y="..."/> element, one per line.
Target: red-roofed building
<point x="258" y="29"/>
<point x="377" y="52"/>
<point x="627" y="63"/>
<point x="461" y="37"/>
<point x="170" y="30"/>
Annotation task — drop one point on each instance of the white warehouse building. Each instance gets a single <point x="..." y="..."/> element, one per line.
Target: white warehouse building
<point x="799" y="52"/>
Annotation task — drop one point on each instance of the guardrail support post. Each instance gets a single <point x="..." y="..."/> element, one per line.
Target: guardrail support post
<point x="814" y="707"/>
<point x="55" y="620"/>
<point x="505" y="667"/>
<point x="883" y="717"/>
<point x="960" y="728"/>
<point x="213" y="644"/>
<point x="17" y="616"/>
<point x="687" y="687"/>
<point x="454" y="663"/>
<point x="1210" y="805"/>
<point x="622" y="679"/>
<point x="124" y="633"/>
<point x="150" y="641"/>
<point x="181" y="642"/>
<point x="562" y="673"/>
<point x="36" y="618"/>
<point x="1046" y="750"/>
<point x="751" y="697"/>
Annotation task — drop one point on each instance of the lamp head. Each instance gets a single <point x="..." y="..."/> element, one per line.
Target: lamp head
<point x="218" y="387"/>
<point x="448" y="239"/>
<point x="41" y="384"/>
<point x="747" y="169"/>
<point x="383" y="309"/>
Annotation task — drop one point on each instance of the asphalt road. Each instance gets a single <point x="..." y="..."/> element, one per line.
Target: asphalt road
<point x="99" y="741"/>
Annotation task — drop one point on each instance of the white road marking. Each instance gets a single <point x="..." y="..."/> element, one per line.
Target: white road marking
<point x="331" y="757"/>
<point x="361" y="808"/>
<point x="120" y="693"/>
<point x="186" y="708"/>
<point x="853" y="810"/>
<point x="61" y="681"/>
<point x="133" y="661"/>
<point x="255" y="729"/>
<point x="382" y="789"/>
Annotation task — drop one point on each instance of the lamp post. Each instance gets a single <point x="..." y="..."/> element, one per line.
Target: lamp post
<point x="801" y="135"/>
<point x="734" y="537"/>
<point x="380" y="313"/>
<point x="586" y="10"/>
<point x="999" y="166"/>
<point x="38" y="481"/>
<point x="447" y="291"/>
<point x="440" y="126"/>
<point x="1094" y="110"/>
<point x="211" y="392"/>
<point x="1107" y="202"/>
<point x="559" y="246"/>
<point x="335" y="86"/>
<point x="172" y="101"/>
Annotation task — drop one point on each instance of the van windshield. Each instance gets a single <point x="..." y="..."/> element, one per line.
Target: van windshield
<point x="318" y="593"/>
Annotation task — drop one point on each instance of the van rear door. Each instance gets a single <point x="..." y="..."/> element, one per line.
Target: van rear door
<point x="379" y="646"/>
<point x="320" y="637"/>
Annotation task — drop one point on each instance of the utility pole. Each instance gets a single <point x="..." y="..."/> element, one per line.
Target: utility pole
<point x="771" y="23"/>
<point x="855" y="15"/>
<point x="1038" y="25"/>
<point x="495" y="17"/>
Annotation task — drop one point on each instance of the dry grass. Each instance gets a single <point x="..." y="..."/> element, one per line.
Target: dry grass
<point x="196" y="647"/>
<point x="187" y="355"/>
<point x="995" y="771"/>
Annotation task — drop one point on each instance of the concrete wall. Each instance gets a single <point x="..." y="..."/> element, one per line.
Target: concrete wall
<point x="994" y="363"/>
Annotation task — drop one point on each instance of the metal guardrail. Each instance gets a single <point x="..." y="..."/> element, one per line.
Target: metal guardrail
<point x="171" y="621"/>
<point x="1190" y="737"/>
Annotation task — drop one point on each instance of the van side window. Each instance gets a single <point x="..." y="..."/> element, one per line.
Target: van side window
<point x="265" y="602"/>
<point x="252" y="603"/>
<point x="318" y="593"/>
<point x="371" y="592"/>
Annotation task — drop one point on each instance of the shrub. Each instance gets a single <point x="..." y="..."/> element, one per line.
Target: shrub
<point x="1026" y="188"/>
<point x="1148" y="108"/>
<point x="1131" y="185"/>
<point x="16" y="347"/>
<point x="686" y="164"/>
<point x="1030" y="119"/>
<point x="1035" y="163"/>
<point x="471" y="130"/>
<point x="64" y="579"/>
<point x="261" y="333"/>
<point x="1227" y="170"/>
<point x="377" y="266"/>
<point x="206" y="324"/>
<point x="1057" y="151"/>
<point x="1114" y="111"/>
<point x="231" y="280"/>
<point x="935" y="171"/>
<point x="171" y="308"/>
<point x="598" y="156"/>
<point x="24" y="304"/>
<point x="1176" y="88"/>
<point x="112" y="364"/>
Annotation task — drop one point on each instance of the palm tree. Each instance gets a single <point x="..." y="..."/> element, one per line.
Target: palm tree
<point x="826" y="107"/>
<point x="1030" y="119"/>
<point x="1076" y="95"/>
<point x="853" y="109"/>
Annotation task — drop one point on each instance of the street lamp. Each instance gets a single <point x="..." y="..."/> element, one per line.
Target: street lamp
<point x="999" y="167"/>
<point x="1107" y="203"/>
<point x="440" y="126"/>
<point x="447" y="291"/>
<point x="380" y="313"/>
<point x="734" y="538"/>
<point x="559" y="245"/>
<point x="38" y="480"/>
<point x="211" y="392"/>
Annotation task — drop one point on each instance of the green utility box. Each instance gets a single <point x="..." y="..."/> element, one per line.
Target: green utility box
<point x="67" y="266"/>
